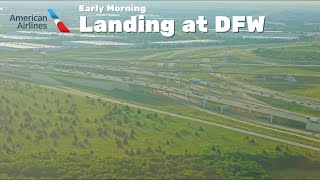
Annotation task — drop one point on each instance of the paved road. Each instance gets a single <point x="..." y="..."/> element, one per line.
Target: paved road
<point x="81" y="93"/>
<point x="244" y="89"/>
<point x="286" y="130"/>
<point x="254" y="91"/>
<point x="251" y="107"/>
<point x="243" y="105"/>
<point x="251" y="89"/>
<point x="254" y="107"/>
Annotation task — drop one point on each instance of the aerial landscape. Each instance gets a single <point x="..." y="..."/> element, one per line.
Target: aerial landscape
<point x="143" y="106"/>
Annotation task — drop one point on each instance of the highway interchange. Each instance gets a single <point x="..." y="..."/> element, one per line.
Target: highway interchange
<point x="129" y="76"/>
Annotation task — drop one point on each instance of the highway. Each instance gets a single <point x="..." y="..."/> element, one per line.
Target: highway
<point x="250" y="107"/>
<point x="81" y="93"/>
<point x="247" y="89"/>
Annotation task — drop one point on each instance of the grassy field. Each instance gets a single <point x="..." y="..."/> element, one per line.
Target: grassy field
<point x="305" y="86"/>
<point x="137" y="96"/>
<point x="311" y="92"/>
<point x="273" y="69"/>
<point x="295" y="55"/>
<point x="290" y="106"/>
<point x="55" y="131"/>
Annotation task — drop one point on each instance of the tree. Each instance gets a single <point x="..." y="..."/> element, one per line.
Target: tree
<point x="119" y="143"/>
<point x="9" y="139"/>
<point x="159" y="149"/>
<point x="54" y="134"/>
<point x="100" y="134"/>
<point x="213" y="148"/>
<point x="138" y="151"/>
<point x="28" y="137"/>
<point x="138" y="123"/>
<point x="252" y="141"/>
<point x="87" y="133"/>
<point x="149" y="116"/>
<point x="88" y="120"/>
<point x="178" y="135"/>
<point x="75" y="139"/>
<point x="16" y="113"/>
<point x="125" y="141"/>
<point x="96" y="121"/>
<point x="127" y="108"/>
<point x="132" y="136"/>
<point x="131" y="153"/>
<point x="55" y="143"/>
<point x="119" y="122"/>
<point x="133" y="132"/>
<point x="149" y="150"/>
<point x="86" y="141"/>
<point x="287" y="147"/>
<point x="125" y="119"/>
<point x="218" y="151"/>
<point x="105" y="133"/>
<point x="74" y="123"/>
<point x="278" y="148"/>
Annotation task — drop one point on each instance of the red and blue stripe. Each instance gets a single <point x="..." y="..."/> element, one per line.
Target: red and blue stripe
<point x="60" y="25"/>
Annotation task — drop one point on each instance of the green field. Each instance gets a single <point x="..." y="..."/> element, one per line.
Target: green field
<point x="47" y="133"/>
<point x="137" y="96"/>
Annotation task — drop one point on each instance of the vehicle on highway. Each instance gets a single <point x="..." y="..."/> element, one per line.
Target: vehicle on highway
<point x="314" y="120"/>
<point x="195" y="80"/>
<point x="198" y="93"/>
<point x="212" y="84"/>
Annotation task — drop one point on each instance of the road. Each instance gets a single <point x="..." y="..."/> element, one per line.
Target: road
<point x="250" y="107"/>
<point x="297" y="133"/>
<point x="165" y="75"/>
<point x="251" y="89"/>
<point x="81" y="93"/>
<point x="217" y="99"/>
<point x="247" y="89"/>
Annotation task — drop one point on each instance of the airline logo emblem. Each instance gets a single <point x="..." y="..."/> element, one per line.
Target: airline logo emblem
<point x="60" y="25"/>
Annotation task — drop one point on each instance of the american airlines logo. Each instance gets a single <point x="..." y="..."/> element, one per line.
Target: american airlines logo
<point x="60" y="25"/>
